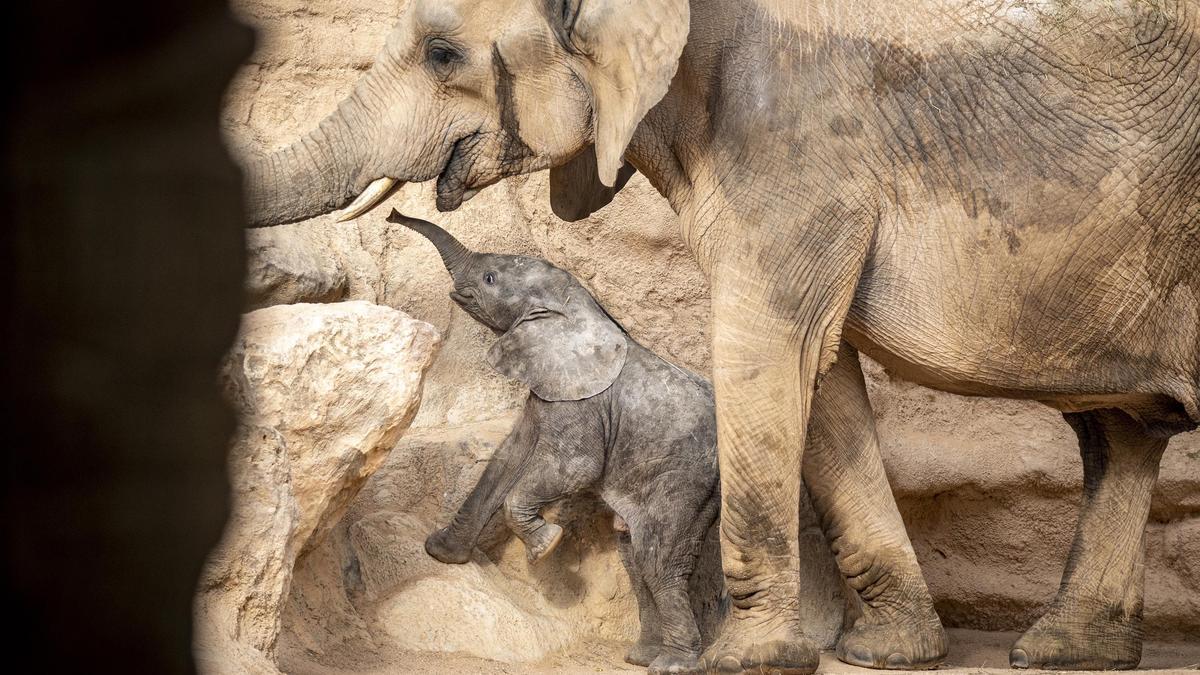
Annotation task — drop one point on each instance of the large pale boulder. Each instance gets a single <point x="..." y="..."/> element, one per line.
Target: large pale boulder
<point x="323" y="392"/>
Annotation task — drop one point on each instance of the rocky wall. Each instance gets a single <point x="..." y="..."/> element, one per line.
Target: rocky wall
<point x="323" y="393"/>
<point x="988" y="488"/>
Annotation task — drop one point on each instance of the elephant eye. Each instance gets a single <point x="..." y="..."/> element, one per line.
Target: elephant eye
<point x="489" y="279"/>
<point x="442" y="57"/>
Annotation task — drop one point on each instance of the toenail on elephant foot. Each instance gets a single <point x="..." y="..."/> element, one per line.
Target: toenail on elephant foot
<point x="1048" y="648"/>
<point x="894" y="646"/>
<point x="674" y="663"/>
<point x="442" y="546"/>
<point x="776" y="657"/>
<point x="543" y="542"/>
<point x="641" y="654"/>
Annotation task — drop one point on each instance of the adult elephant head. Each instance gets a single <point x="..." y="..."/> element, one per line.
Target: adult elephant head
<point x="472" y="91"/>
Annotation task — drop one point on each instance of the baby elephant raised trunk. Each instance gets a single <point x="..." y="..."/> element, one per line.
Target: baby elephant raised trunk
<point x="454" y="254"/>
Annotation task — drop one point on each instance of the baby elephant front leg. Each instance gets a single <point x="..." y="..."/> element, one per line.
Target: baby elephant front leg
<point x="523" y="511"/>
<point x="563" y="464"/>
<point x="540" y="536"/>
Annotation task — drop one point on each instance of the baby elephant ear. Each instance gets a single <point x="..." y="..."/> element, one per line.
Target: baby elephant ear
<point x="562" y="354"/>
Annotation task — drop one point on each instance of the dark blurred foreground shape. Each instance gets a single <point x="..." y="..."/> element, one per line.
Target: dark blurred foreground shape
<point x="123" y="258"/>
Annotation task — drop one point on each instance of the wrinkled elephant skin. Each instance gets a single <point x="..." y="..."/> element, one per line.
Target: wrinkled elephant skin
<point x="989" y="198"/>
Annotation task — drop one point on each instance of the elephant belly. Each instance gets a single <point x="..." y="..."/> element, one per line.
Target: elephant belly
<point x="1086" y="318"/>
<point x="1037" y="235"/>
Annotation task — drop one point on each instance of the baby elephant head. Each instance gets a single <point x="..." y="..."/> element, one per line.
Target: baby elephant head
<point x="555" y="337"/>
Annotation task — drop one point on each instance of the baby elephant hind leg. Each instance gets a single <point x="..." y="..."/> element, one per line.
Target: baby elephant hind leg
<point x="680" y="650"/>
<point x="1095" y="622"/>
<point x="649" y="642"/>
<point x="666" y="553"/>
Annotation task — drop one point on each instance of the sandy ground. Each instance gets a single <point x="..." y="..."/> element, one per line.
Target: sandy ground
<point x="970" y="652"/>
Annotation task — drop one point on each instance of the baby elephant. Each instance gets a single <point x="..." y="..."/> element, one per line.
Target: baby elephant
<point x="605" y="415"/>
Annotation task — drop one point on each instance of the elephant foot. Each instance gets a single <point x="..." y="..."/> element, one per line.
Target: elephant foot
<point x="747" y="646"/>
<point x="543" y="541"/>
<point x="674" y="663"/>
<point x="642" y="654"/>
<point x="1065" y="639"/>
<point x="442" y="547"/>
<point x="896" y="645"/>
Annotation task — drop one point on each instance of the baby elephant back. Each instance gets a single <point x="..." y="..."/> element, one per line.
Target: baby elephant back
<point x="667" y="405"/>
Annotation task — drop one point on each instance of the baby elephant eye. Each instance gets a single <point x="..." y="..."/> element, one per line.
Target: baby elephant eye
<point x="489" y="278"/>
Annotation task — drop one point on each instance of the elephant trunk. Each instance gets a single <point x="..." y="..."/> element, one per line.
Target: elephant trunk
<point x="454" y="254"/>
<point x="453" y="543"/>
<point x="335" y="164"/>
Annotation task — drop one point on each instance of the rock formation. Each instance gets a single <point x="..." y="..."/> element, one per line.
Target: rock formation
<point x="285" y="269"/>
<point x="323" y="393"/>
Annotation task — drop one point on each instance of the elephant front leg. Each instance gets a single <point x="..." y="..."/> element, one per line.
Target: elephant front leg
<point x="522" y="511"/>
<point x="545" y="483"/>
<point x="760" y="439"/>
<point x="453" y="543"/>
<point x="781" y="288"/>
<point x="1095" y="622"/>
<point x="844" y="472"/>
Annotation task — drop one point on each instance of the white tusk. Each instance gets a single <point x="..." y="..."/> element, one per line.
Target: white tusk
<point x="376" y="191"/>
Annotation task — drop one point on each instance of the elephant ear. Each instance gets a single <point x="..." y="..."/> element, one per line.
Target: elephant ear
<point x="566" y="353"/>
<point x="575" y="188"/>
<point x="631" y="49"/>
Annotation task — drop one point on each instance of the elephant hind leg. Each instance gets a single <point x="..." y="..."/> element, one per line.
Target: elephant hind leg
<point x="843" y="469"/>
<point x="665" y="560"/>
<point x="649" y="642"/>
<point x="1095" y="622"/>
<point x="660" y="551"/>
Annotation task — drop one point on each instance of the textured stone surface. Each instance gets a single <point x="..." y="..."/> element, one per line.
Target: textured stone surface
<point x="285" y="268"/>
<point x="323" y="393"/>
<point x="988" y="488"/>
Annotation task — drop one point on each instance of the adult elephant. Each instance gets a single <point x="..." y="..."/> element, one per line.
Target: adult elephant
<point x="990" y="198"/>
